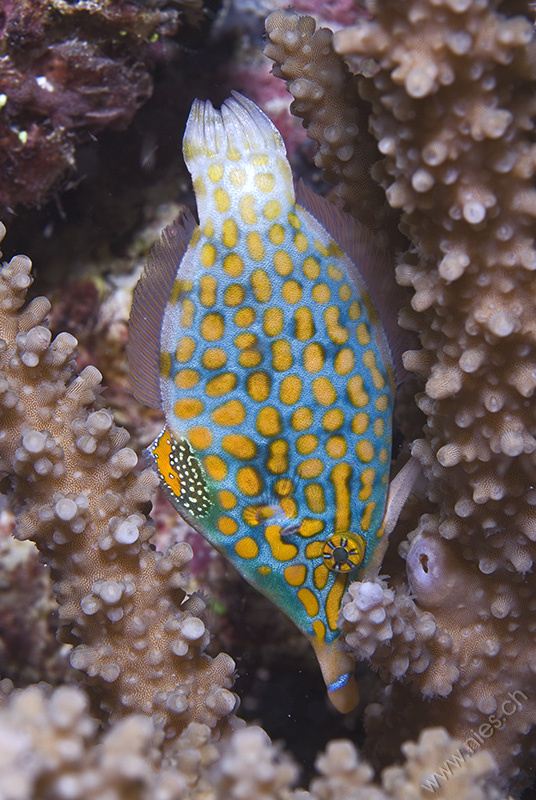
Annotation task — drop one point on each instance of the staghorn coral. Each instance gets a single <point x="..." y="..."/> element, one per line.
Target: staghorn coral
<point x="79" y="499"/>
<point x="51" y="749"/>
<point x="451" y="90"/>
<point x="327" y="100"/>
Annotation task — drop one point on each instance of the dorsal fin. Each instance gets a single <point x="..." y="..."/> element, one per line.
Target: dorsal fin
<point x="150" y="300"/>
<point x="373" y="264"/>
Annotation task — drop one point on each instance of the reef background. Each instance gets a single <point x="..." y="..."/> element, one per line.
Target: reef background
<point x="90" y="175"/>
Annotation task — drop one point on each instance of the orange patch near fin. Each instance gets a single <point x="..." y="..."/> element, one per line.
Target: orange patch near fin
<point x="162" y="451"/>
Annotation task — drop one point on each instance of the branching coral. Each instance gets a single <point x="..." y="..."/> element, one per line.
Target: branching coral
<point x="51" y="749"/>
<point x="451" y="90"/>
<point x="124" y="606"/>
<point x="327" y="101"/>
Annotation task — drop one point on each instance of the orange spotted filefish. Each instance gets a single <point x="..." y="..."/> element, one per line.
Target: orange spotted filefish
<point x="261" y="333"/>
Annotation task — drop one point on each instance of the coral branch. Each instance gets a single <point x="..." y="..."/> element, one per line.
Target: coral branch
<point x="327" y="100"/>
<point x="79" y="499"/>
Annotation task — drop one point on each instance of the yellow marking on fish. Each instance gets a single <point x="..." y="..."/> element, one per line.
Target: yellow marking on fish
<point x="230" y="413"/>
<point x="345" y="292"/>
<point x="268" y="421"/>
<point x="188" y="407"/>
<point x="379" y="428"/>
<point x="324" y="391"/>
<point x="200" y="437"/>
<point x="334" y="272"/>
<point x="221" y="384"/>
<point x="246" y="547"/>
<point x="366" y="516"/>
<point x="340" y="478"/>
<point x="283" y="263"/>
<point x="365" y="450"/>
<point x="367" y="483"/>
<point x="244" y="317"/>
<point x="344" y="361"/>
<point x="309" y="600"/>
<point x="216" y="467"/>
<point x="363" y="334"/>
<point x="333" y="601"/>
<point x="255" y="246"/>
<point x="238" y="177"/>
<point x="281" y="355"/>
<point x="381" y="403"/>
<point x="315" y="498"/>
<point x="227" y="525"/>
<point x="227" y="499"/>
<point x="304" y="327"/>
<point x="302" y="418"/>
<point x="354" y="310"/>
<point x="185" y="350"/>
<point x="208" y="255"/>
<point x="261" y="285"/>
<point x="207" y="290"/>
<point x="313" y="357"/>
<point x="273" y="321"/>
<point x="215" y="172"/>
<point x="311" y="268"/>
<point x="320" y="576"/>
<point x="187" y="378"/>
<point x="290" y="390"/>
<point x="310" y="468"/>
<point x="233" y="265"/>
<point x="336" y="447"/>
<point x="265" y="182"/>
<point x="281" y="550"/>
<point x="321" y="293"/>
<point x="276" y="234"/>
<point x="222" y="200"/>
<point x="295" y="574"/>
<point x="369" y="360"/>
<point x="300" y="242"/>
<point x="356" y="392"/>
<point x="214" y="358"/>
<point x="272" y="209"/>
<point x="258" y="386"/>
<point x="229" y="233"/>
<point x="360" y="423"/>
<point x="212" y="326"/>
<point x="333" y="419"/>
<point x="277" y="461"/>
<point x="246" y="207"/>
<point x="306" y="444"/>
<point x="336" y="332"/>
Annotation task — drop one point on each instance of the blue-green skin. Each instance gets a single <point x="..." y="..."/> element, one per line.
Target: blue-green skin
<point x="274" y="585"/>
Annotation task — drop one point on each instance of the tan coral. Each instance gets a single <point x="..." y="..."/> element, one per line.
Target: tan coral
<point x="327" y="101"/>
<point x="122" y="604"/>
<point x="52" y="749"/>
<point x="463" y="178"/>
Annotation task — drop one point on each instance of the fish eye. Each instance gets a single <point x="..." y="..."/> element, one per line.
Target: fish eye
<point x="344" y="551"/>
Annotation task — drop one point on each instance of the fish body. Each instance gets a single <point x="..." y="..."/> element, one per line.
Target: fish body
<point x="263" y="344"/>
